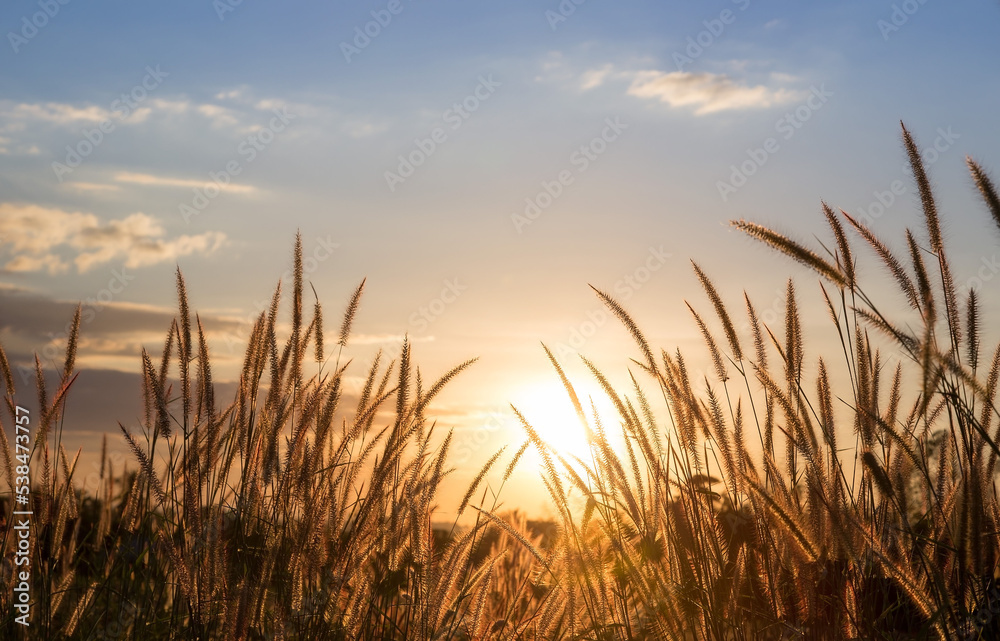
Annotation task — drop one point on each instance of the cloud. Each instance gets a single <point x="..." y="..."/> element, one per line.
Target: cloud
<point x="219" y="116"/>
<point x="364" y="128"/>
<point x="707" y="92"/>
<point x="53" y="112"/>
<point x="85" y="186"/>
<point x="40" y="239"/>
<point x="595" y="77"/>
<point x="162" y="181"/>
<point x="112" y="331"/>
<point x="29" y="119"/>
<point x="167" y="106"/>
<point x="232" y="94"/>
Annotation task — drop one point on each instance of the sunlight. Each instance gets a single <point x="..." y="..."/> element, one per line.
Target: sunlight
<point x="548" y="409"/>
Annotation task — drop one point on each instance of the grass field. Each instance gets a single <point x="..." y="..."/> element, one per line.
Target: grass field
<point x="767" y="501"/>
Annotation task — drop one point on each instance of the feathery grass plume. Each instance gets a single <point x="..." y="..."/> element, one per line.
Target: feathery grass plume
<point x="923" y="282"/>
<point x="630" y="325"/>
<point x="719" y="433"/>
<point x="992" y="378"/>
<point x="477" y="481"/>
<point x="146" y="465"/>
<point x="206" y="390"/>
<point x="318" y="324"/>
<point x="510" y="530"/>
<point x="910" y="343"/>
<point x="655" y="455"/>
<point x="349" y="313"/>
<point x="78" y="611"/>
<point x="825" y="394"/>
<point x="8" y="379"/>
<point x="934" y="232"/>
<point x="168" y="348"/>
<point x="515" y="460"/>
<point x="720" y="367"/>
<point x="484" y="589"/>
<point x="43" y="397"/>
<point x="543" y="450"/>
<point x="893" y="264"/>
<point x="846" y="258"/>
<point x="184" y="344"/>
<point x="758" y="337"/>
<point x="986" y="188"/>
<point x="793" y="250"/>
<point x="271" y="342"/>
<point x="609" y="391"/>
<point x="720" y="310"/>
<point x="296" y="375"/>
<point x="785" y="518"/>
<point x="878" y="474"/>
<point x="972" y="329"/>
<point x="8" y="463"/>
<point x="153" y="388"/>
<point x="570" y="391"/>
<point x="403" y="386"/>
<point x="923" y="184"/>
<point x="71" y="340"/>
<point x="794" y="353"/>
<point x="61" y="590"/>
<point x="424" y="400"/>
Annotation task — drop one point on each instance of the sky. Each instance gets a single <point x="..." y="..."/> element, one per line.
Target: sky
<point x="479" y="163"/>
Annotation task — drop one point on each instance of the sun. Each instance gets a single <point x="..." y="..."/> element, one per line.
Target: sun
<point x="548" y="409"/>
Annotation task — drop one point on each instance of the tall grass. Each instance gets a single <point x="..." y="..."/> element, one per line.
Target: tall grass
<point x="278" y="515"/>
<point x="778" y="506"/>
<point x="786" y="495"/>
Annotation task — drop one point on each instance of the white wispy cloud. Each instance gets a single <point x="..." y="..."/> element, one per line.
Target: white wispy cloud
<point x="166" y="181"/>
<point x="364" y="128"/>
<point x="92" y="187"/>
<point x="53" y="112"/>
<point x="46" y="239"/>
<point x="219" y="116"/>
<point x="708" y="92"/>
<point x="595" y="77"/>
<point x="703" y="93"/>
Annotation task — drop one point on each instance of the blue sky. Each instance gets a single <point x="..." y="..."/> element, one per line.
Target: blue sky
<point x="262" y="97"/>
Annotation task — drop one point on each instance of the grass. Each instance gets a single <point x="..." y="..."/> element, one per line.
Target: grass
<point x="844" y="496"/>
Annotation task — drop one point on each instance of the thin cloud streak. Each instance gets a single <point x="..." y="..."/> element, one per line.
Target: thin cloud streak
<point x="708" y="93"/>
